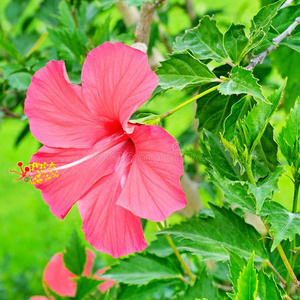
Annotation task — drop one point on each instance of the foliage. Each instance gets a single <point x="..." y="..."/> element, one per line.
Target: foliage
<point x="238" y="149"/>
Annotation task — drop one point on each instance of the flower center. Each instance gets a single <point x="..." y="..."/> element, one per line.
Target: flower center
<point x="36" y="173"/>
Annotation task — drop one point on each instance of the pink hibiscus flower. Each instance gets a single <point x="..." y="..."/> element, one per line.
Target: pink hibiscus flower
<point x="117" y="172"/>
<point x="61" y="281"/>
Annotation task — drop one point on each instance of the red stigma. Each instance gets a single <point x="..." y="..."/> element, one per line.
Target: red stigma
<point x="23" y="173"/>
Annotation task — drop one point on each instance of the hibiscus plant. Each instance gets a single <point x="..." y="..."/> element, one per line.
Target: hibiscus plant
<point x="179" y="144"/>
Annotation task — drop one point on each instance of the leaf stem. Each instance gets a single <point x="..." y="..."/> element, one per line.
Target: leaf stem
<point x="288" y="267"/>
<point x="170" y="112"/>
<point x="180" y="259"/>
<point x="37" y="44"/>
<point x="293" y="242"/>
<point x="250" y="173"/>
<point x="277" y="273"/>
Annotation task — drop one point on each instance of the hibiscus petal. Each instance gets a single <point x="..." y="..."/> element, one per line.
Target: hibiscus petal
<point x="108" y="227"/>
<point x="89" y="263"/>
<point x="58" y="115"/>
<point x="62" y="192"/>
<point x="152" y="189"/>
<point x="103" y="287"/>
<point x="116" y="81"/>
<point x="38" y="298"/>
<point x="58" y="278"/>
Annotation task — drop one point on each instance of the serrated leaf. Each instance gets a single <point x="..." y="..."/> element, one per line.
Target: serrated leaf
<point x="262" y="20"/>
<point x="75" y="255"/>
<point x="265" y="154"/>
<point x="248" y="282"/>
<point x="68" y="43"/>
<point x="220" y="159"/>
<point x="141" y="269"/>
<point x="238" y="111"/>
<point x="236" y="265"/>
<point x="19" y="81"/>
<point x="183" y="70"/>
<point x="209" y="236"/>
<point x="212" y="110"/>
<point x="10" y="49"/>
<point x="284" y="224"/>
<point x="242" y="82"/>
<point x="202" y="288"/>
<point x="292" y="42"/>
<point x="289" y="140"/>
<point x="204" y="40"/>
<point x="85" y="286"/>
<point x="255" y="123"/>
<point x="132" y="292"/>
<point x="235" y="192"/>
<point x="162" y="248"/>
<point x="235" y="42"/>
<point x="267" y="287"/>
<point x="65" y="15"/>
<point x="264" y="189"/>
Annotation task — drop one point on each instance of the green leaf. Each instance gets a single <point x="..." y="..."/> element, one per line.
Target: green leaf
<point x="265" y="188"/>
<point x="202" y="288"/>
<point x="102" y="33"/>
<point x="286" y="61"/>
<point x="284" y="224"/>
<point x="235" y="193"/>
<point x="238" y="111"/>
<point x="141" y="269"/>
<point x="68" y="43"/>
<point x="220" y="159"/>
<point x="183" y="70"/>
<point x="236" y="265"/>
<point x="235" y="42"/>
<point x="212" y="110"/>
<point x="10" y="49"/>
<point x="289" y="140"/>
<point x="263" y="19"/>
<point x="248" y="282"/>
<point x="75" y="254"/>
<point x="265" y="154"/>
<point x="292" y="42"/>
<point x="19" y="81"/>
<point x="85" y="286"/>
<point x="65" y="15"/>
<point x="108" y="3"/>
<point x="285" y="17"/>
<point x="242" y="82"/>
<point x="205" y="41"/>
<point x="209" y="236"/>
<point x="162" y="248"/>
<point x="255" y="123"/>
<point x="132" y="292"/>
<point x="267" y="287"/>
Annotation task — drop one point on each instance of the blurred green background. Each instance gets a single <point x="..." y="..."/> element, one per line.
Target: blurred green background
<point x="30" y="235"/>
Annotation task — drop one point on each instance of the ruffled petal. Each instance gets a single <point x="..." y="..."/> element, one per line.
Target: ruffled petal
<point x="116" y="81"/>
<point x="58" y="278"/>
<point x="103" y="287"/>
<point x="38" y="298"/>
<point x="57" y="113"/>
<point x="62" y="192"/>
<point x="110" y="228"/>
<point x="152" y="189"/>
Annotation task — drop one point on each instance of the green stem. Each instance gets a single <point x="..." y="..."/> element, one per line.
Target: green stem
<point x="180" y="259"/>
<point x="288" y="267"/>
<point x="277" y="273"/>
<point x="170" y="112"/>
<point x="250" y="173"/>
<point x="37" y="44"/>
<point x="293" y="242"/>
